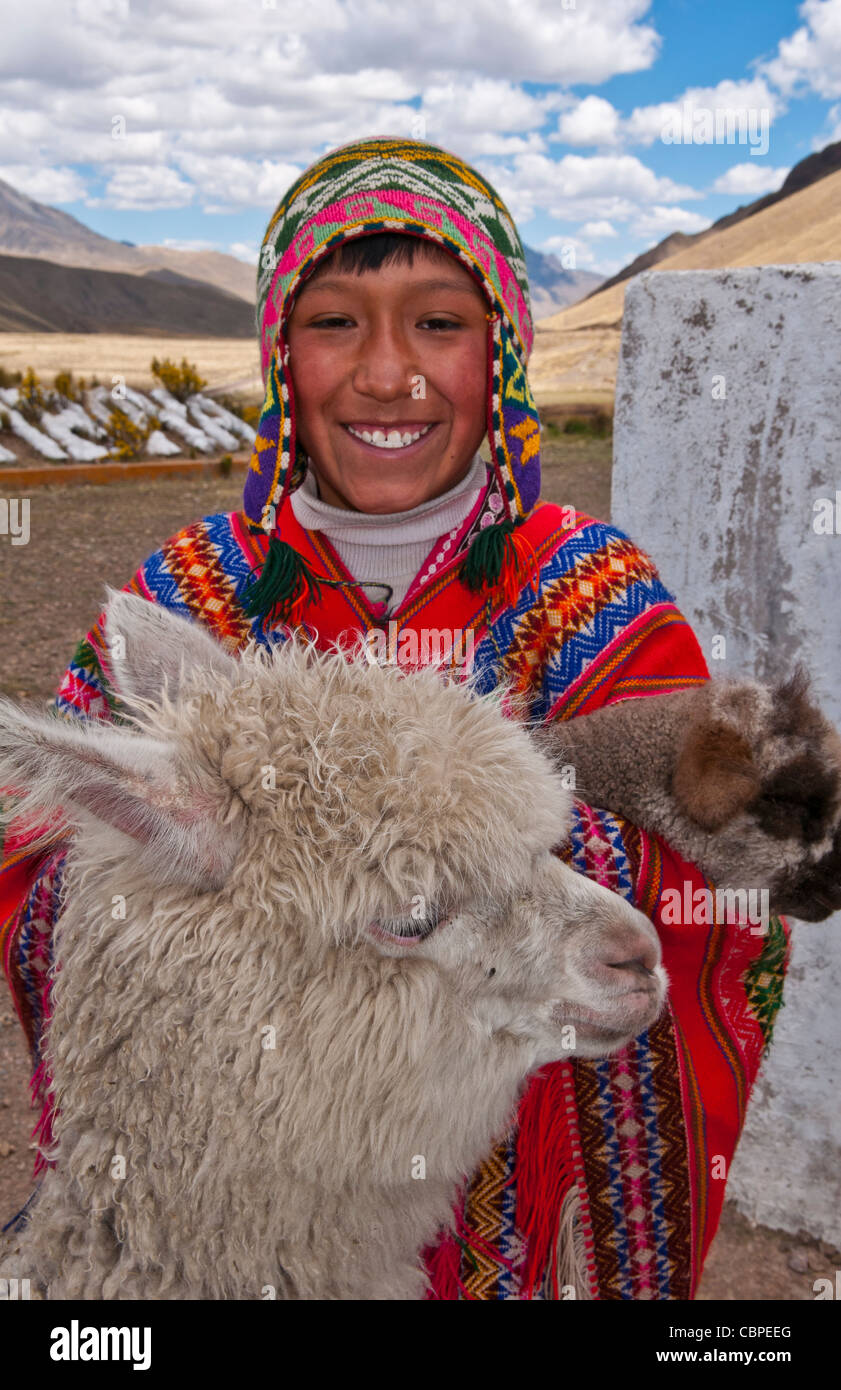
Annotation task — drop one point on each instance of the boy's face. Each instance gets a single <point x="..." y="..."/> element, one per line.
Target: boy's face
<point x="403" y="347"/>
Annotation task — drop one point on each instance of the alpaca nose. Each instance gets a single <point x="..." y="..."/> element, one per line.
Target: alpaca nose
<point x="638" y="966"/>
<point x="633" y="948"/>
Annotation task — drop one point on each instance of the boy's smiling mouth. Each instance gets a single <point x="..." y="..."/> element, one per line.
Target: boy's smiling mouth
<point x="400" y="437"/>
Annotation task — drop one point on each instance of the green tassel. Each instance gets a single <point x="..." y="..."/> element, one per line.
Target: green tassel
<point x="286" y="580"/>
<point x="482" y="565"/>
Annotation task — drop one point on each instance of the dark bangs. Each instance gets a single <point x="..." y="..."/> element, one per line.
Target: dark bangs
<point x="380" y="248"/>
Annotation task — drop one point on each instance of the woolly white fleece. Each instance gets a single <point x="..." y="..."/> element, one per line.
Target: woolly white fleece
<point x="251" y="1060"/>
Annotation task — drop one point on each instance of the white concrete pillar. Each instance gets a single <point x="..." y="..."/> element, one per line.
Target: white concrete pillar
<point x="727" y="470"/>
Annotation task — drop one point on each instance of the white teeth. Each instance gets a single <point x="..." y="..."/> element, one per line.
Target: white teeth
<point x="394" y="439"/>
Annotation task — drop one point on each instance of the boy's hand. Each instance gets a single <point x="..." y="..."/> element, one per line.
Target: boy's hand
<point x="741" y="778"/>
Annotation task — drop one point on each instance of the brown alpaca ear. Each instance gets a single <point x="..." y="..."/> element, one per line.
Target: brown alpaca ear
<point x="715" y="777"/>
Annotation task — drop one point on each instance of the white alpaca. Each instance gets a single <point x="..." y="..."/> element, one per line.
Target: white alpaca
<point x="314" y="942"/>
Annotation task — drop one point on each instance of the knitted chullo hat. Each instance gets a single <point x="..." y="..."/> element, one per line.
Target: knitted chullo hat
<point x="405" y="186"/>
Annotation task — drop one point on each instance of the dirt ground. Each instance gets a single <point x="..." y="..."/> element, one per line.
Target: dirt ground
<point x="52" y="589"/>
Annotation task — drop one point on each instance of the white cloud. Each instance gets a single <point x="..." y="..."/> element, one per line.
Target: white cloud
<point x="241" y="250"/>
<point x="811" y="57"/>
<point x="174" y="243"/>
<point x="482" y="104"/>
<point x="660" y="222"/>
<point x="593" y="121"/>
<point x="45" y="185"/>
<point x="574" y="253"/>
<point x="753" y="179"/>
<point x="608" y="268"/>
<point x="244" y="251"/>
<point x="225" y="104"/>
<point x="273" y="88"/>
<point x="495" y="146"/>
<point x="598" y="229"/>
<point x="833" y="117"/>
<point x="147" y="186"/>
<point x="540" y="40"/>
<point x="578" y="188"/>
<point x="745" y="107"/>
<point x="583" y="256"/>
<point x="228" y="182"/>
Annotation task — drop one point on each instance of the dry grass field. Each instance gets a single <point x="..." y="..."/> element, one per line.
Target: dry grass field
<point x="224" y="362"/>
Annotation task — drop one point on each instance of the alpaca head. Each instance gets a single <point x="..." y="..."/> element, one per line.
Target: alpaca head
<point x="759" y="767"/>
<point x="396" y="816"/>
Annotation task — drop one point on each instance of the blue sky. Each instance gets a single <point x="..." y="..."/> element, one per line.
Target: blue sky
<point x="581" y="112"/>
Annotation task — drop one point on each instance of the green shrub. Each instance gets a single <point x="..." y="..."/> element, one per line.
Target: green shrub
<point x="8" y="378"/>
<point x="596" y="426"/>
<point x="31" y="400"/>
<point x="65" y="385"/>
<point x="181" y="382"/>
<point x="232" y="403"/>
<point x="126" y="440"/>
<point x="249" y="412"/>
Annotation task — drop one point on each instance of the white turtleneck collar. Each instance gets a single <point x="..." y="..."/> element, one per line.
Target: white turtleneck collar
<point x="392" y="546"/>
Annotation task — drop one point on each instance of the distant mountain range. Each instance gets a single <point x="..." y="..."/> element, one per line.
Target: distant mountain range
<point x="552" y="286"/>
<point x="88" y="289"/>
<point x="28" y="228"/>
<point x="38" y="296"/>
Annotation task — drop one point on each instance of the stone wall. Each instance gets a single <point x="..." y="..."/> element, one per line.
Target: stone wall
<point x="727" y="469"/>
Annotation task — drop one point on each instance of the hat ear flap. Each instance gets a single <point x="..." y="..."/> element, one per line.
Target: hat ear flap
<point x="500" y="557"/>
<point x="514" y="424"/>
<point x="278" y="464"/>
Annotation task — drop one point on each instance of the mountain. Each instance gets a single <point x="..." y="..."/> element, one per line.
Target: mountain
<point x="39" y="296"/>
<point x="552" y="286"/>
<point x="577" y="349"/>
<point x="814" y="167"/>
<point x="32" y="229"/>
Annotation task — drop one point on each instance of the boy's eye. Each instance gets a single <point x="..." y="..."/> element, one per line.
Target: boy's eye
<point x="337" y="320"/>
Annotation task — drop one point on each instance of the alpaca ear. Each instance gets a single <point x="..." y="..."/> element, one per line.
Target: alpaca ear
<point x="715" y="776"/>
<point x="151" y="648"/>
<point x="127" y="780"/>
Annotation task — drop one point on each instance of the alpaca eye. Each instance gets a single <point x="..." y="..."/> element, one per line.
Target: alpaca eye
<point x="409" y="928"/>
